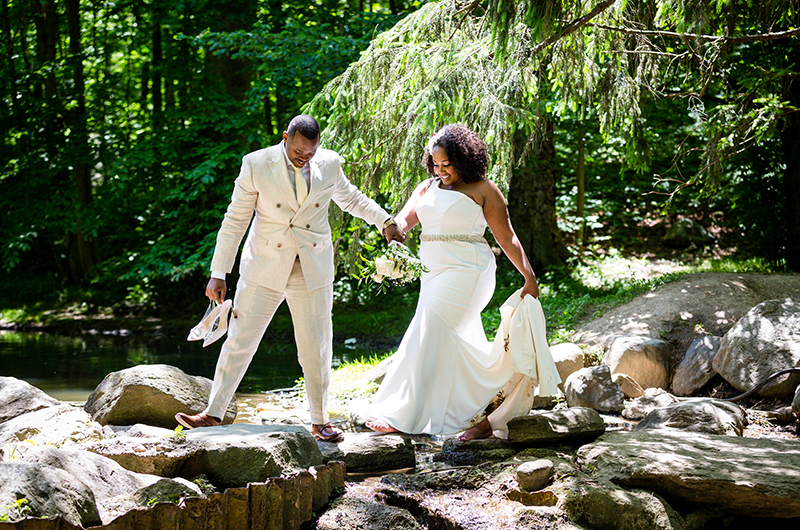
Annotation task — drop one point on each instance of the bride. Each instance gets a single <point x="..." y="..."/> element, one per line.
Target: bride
<point x="444" y="373"/>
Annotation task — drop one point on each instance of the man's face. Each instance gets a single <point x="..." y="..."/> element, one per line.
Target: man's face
<point x="299" y="148"/>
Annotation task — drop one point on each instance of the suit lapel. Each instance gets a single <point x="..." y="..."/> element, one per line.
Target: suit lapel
<point x="280" y="175"/>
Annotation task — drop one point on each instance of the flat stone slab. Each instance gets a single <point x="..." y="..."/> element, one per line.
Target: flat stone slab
<point x="572" y="425"/>
<point x="370" y="451"/>
<point x="746" y="476"/>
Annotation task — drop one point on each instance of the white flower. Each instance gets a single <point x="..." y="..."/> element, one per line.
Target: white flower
<point x="384" y="266"/>
<point x="377" y="278"/>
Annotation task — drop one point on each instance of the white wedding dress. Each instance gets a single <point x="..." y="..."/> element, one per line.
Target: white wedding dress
<point x="445" y="372"/>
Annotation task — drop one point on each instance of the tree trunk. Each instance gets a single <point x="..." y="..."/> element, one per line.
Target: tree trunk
<point x="82" y="248"/>
<point x="532" y="204"/>
<point x="580" y="175"/>
<point x="790" y="137"/>
<point x="8" y="45"/>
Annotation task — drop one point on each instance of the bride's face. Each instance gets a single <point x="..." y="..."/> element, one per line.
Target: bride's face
<point x="442" y="167"/>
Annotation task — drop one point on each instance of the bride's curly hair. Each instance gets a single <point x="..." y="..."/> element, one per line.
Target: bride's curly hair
<point x="466" y="152"/>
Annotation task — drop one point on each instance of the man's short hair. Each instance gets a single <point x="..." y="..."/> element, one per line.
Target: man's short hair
<point x="305" y="125"/>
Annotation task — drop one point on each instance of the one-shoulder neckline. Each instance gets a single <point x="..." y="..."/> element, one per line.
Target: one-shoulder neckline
<point x="438" y="181"/>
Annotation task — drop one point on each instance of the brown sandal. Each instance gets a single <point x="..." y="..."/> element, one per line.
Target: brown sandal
<point x="327" y="433"/>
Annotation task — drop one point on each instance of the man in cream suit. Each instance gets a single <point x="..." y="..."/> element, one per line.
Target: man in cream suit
<point x="288" y="255"/>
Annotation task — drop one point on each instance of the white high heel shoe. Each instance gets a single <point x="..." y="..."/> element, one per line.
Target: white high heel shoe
<point x="214" y="323"/>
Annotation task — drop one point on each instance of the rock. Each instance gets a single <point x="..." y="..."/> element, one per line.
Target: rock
<point x="234" y="455"/>
<point x="696" y="370"/>
<point x="363" y="452"/>
<point x="573" y="425"/>
<point x="150" y="394"/>
<point x="630" y="388"/>
<point x="20" y="397"/>
<point x="49" y="492"/>
<point x="533" y="476"/>
<point x="756" y="477"/>
<point x="471" y="452"/>
<point x="686" y="233"/>
<point x="601" y="504"/>
<point x="766" y="340"/>
<point x="348" y="513"/>
<point x="654" y="398"/>
<point x="796" y="402"/>
<point x="644" y="359"/>
<point x="694" y="306"/>
<point x="593" y="388"/>
<point x="58" y="425"/>
<point x="706" y="415"/>
<point x="164" y="490"/>
<point x="568" y="358"/>
<point x="162" y="456"/>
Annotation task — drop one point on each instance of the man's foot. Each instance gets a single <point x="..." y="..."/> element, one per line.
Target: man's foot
<point x="380" y="426"/>
<point x="479" y="432"/>
<point x="327" y="433"/>
<point x="198" y="420"/>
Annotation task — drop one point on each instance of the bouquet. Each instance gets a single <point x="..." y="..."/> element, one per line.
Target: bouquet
<point x="397" y="264"/>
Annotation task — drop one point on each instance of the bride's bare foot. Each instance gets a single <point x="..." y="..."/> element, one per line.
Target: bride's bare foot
<point x="380" y="426"/>
<point x="480" y="431"/>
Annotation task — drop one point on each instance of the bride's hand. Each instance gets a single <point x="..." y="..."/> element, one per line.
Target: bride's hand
<point x="531" y="287"/>
<point x="394" y="232"/>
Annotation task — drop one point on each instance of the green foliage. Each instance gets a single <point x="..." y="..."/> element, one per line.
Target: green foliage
<point x="15" y="511"/>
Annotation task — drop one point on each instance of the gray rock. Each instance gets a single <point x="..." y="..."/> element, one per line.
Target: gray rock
<point x="162" y="456"/>
<point x="20" y="397"/>
<point x="592" y="387"/>
<point x="568" y="358"/>
<point x="796" y="402"/>
<point x="644" y="359"/>
<point x="364" y="452"/>
<point x="58" y="425"/>
<point x="750" y="476"/>
<point x="573" y="425"/>
<point x="685" y="233"/>
<point x="533" y="476"/>
<point x="471" y="452"/>
<point x="150" y="394"/>
<point x="349" y="513"/>
<point x="706" y="415"/>
<point x="49" y="492"/>
<point x="237" y="454"/>
<point x="630" y="388"/>
<point x="766" y="340"/>
<point x="164" y="490"/>
<point x="654" y="398"/>
<point x="696" y="370"/>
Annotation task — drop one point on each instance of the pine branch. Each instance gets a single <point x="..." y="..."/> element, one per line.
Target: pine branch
<point x="705" y="38"/>
<point x="575" y="25"/>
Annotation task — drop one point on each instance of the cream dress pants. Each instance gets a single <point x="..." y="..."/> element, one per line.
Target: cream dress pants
<point x="313" y="332"/>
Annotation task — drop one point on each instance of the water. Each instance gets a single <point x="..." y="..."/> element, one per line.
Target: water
<point x="69" y="368"/>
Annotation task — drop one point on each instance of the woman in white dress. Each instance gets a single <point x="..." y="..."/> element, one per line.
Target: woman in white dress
<point x="443" y="374"/>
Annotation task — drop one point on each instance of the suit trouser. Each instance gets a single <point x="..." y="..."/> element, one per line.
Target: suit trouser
<point x="255" y="306"/>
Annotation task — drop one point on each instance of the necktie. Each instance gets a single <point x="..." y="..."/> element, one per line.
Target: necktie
<point x="300" y="185"/>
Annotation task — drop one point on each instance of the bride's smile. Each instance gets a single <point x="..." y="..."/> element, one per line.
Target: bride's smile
<point x="442" y="169"/>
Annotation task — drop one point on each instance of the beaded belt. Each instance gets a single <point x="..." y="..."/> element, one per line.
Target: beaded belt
<point x="453" y="237"/>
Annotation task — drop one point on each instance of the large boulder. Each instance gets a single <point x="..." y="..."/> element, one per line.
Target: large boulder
<point x="593" y="387"/>
<point x="646" y="360"/>
<point x="756" y="477"/>
<point x="765" y="341"/>
<point x="234" y="455"/>
<point x="707" y="415"/>
<point x="573" y="425"/>
<point x="363" y="452"/>
<point x="19" y="397"/>
<point x="58" y="425"/>
<point x="49" y="492"/>
<point x="696" y="369"/>
<point x="163" y="456"/>
<point x="150" y="394"/>
<point x="568" y="358"/>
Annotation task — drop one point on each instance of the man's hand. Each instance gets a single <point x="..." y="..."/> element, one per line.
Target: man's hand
<point x="394" y="232"/>
<point x="216" y="289"/>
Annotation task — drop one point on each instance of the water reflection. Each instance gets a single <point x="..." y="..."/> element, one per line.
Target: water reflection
<point x="69" y="368"/>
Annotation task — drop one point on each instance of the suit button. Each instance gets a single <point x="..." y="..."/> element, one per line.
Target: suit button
<point x="280" y="245"/>
<point x="279" y="205"/>
<point x="315" y="244"/>
<point x="291" y="225"/>
<point x="308" y="226"/>
<point x="316" y="205"/>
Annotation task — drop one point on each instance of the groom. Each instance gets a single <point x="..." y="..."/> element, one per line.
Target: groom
<point x="288" y="255"/>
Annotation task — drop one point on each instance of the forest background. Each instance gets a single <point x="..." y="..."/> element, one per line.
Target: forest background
<point x="124" y="124"/>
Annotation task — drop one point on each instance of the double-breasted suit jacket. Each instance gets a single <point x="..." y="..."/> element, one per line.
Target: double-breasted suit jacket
<point x="281" y="229"/>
